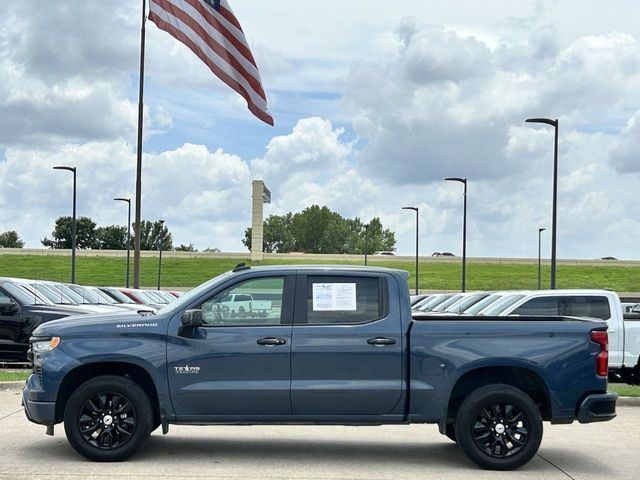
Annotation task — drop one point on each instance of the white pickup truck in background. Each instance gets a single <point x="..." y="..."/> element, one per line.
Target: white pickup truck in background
<point x="243" y="304"/>
<point x="624" y="333"/>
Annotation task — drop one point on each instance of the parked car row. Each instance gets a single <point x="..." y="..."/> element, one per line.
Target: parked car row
<point x="25" y="304"/>
<point x="624" y="328"/>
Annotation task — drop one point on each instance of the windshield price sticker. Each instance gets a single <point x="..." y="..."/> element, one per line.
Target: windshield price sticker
<point x="329" y="297"/>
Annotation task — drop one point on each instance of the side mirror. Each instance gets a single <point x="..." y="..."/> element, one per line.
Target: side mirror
<point x="10" y="308"/>
<point x="191" y="319"/>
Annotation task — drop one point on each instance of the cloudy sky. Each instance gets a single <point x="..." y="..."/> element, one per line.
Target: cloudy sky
<point x="375" y="102"/>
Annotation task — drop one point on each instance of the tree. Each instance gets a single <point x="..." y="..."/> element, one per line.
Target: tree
<point x="320" y="230"/>
<point x="185" y="248"/>
<point x="61" y="235"/>
<point x="10" y="239"/>
<point x="151" y="233"/>
<point x="113" y="237"/>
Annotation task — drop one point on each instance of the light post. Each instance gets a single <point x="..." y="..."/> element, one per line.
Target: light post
<point x="417" y="278"/>
<point x="554" y="124"/>
<point x="540" y="230"/>
<point x="160" y="241"/>
<point x="73" y="223"/>
<point x="128" y="200"/>
<point x="464" y="229"/>
<point x="366" y="242"/>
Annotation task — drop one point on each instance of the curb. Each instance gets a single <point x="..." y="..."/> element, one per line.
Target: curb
<point x="628" y="402"/>
<point x="12" y="387"/>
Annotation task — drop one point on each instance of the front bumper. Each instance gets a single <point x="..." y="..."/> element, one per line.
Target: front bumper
<point x="43" y="413"/>
<point x="598" y="407"/>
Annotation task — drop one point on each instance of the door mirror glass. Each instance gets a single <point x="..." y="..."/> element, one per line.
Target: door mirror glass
<point x="192" y="318"/>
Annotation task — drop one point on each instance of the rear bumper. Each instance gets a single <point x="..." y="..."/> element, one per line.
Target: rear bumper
<point x="598" y="407"/>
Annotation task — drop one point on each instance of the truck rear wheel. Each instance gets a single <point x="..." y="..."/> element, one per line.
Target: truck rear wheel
<point x="499" y="427"/>
<point x="108" y="418"/>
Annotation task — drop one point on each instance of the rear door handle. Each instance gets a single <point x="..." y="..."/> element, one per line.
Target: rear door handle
<point x="271" y="341"/>
<point x="380" y="341"/>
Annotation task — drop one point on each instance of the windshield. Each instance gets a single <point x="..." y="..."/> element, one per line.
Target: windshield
<point x="191" y="295"/>
<point x="64" y="290"/>
<point x="86" y="295"/>
<point x="465" y="302"/>
<point x="154" y="296"/>
<point x="55" y="296"/>
<point x="498" y="307"/>
<point x="24" y="296"/>
<point x="450" y="301"/>
<point x="118" y="295"/>
<point x="482" y="304"/>
<point x="101" y="295"/>
<point x="433" y="302"/>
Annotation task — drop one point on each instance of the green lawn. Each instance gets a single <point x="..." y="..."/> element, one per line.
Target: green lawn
<point x="625" y="390"/>
<point x="14" y="375"/>
<point x="189" y="272"/>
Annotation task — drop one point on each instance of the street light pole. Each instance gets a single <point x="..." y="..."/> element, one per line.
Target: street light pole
<point x="128" y="200"/>
<point x="73" y="223"/>
<point x="417" y="277"/>
<point x="554" y="124"/>
<point x="366" y="242"/>
<point x="464" y="229"/>
<point x="540" y="230"/>
<point x="161" y="240"/>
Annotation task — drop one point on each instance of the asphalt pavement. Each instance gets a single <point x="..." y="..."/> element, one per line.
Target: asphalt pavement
<point x="595" y="451"/>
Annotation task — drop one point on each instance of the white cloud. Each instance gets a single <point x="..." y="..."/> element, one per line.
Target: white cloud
<point x="443" y="92"/>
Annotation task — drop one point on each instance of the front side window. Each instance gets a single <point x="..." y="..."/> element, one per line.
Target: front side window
<point x="345" y="300"/>
<point x="255" y="302"/>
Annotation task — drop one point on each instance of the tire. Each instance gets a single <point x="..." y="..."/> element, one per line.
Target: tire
<point x="499" y="427"/>
<point x="108" y="418"/>
<point x="450" y="433"/>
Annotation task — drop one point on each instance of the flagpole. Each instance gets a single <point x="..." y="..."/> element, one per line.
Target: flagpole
<point x="136" y="248"/>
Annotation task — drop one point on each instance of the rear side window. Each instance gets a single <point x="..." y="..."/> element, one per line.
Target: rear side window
<point x="539" y="306"/>
<point x="586" y="306"/>
<point x="345" y="300"/>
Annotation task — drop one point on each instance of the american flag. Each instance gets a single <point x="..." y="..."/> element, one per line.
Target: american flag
<point x="210" y="29"/>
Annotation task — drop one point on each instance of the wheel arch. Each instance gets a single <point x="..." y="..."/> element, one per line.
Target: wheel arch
<point x="83" y="373"/>
<point x="523" y="378"/>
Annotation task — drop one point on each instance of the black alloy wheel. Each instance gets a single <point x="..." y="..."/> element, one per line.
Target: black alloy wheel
<point x="499" y="427"/>
<point x="108" y="418"/>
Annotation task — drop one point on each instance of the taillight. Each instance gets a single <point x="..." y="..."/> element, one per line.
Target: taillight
<point x="602" y="359"/>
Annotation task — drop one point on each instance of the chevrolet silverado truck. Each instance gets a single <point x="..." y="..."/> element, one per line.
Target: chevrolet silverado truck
<point x="338" y="346"/>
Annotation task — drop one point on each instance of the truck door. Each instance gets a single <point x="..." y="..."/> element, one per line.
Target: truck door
<point x="235" y="364"/>
<point x="347" y="346"/>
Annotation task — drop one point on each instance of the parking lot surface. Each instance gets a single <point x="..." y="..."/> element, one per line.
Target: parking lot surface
<point x="595" y="451"/>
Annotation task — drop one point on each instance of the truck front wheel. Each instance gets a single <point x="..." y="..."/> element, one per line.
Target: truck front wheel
<point x="108" y="418"/>
<point x="499" y="427"/>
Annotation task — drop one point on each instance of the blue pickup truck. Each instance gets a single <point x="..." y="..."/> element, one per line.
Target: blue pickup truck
<point x="329" y="345"/>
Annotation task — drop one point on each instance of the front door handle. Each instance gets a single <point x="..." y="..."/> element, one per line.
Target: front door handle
<point x="271" y="341"/>
<point x="380" y="341"/>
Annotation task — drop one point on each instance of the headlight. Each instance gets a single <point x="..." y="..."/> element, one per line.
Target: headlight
<point x="40" y="346"/>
